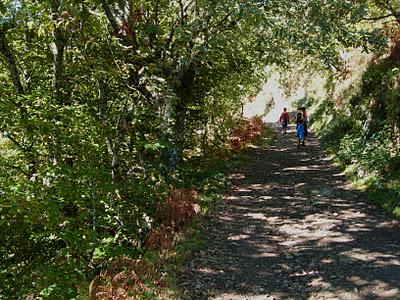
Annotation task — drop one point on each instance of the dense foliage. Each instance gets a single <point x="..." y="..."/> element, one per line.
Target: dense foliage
<point x="364" y="130"/>
<point x="103" y="103"/>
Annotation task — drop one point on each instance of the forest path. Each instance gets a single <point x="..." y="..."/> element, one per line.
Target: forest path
<point x="290" y="227"/>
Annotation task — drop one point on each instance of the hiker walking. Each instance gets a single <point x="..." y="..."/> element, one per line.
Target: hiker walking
<point x="300" y="129"/>
<point x="284" y="120"/>
<point x="305" y="123"/>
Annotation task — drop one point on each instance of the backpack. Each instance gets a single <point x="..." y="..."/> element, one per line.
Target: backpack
<point x="299" y="118"/>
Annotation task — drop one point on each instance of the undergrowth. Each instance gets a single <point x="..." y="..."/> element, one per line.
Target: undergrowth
<point x="180" y="224"/>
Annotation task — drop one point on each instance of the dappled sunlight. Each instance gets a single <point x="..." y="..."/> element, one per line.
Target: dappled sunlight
<point x="237" y="176"/>
<point x="209" y="271"/>
<point x="231" y="197"/>
<point x="267" y="255"/>
<point x="264" y="198"/>
<point x="292" y="223"/>
<point x="238" y="237"/>
<point x="234" y="296"/>
<point x="256" y="216"/>
<point x="273" y="219"/>
<point x="226" y="218"/>
<point x="243" y="190"/>
<point x="319" y="282"/>
<point x="341" y="174"/>
<point x="306" y="168"/>
<point x="322" y="230"/>
<point x="306" y="160"/>
<point x="373" y="258"/>
<point x="258" y="187"/>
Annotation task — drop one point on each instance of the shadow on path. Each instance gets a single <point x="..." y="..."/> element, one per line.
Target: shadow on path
<point x="290" y="227"/>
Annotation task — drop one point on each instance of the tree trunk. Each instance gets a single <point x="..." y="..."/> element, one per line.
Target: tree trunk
<point x="184" y="96"/>
<point x="58" y="69"/>
<point x="58" y="53"/>
<point x="11" y="64"/>
<point x="113" y="145"/>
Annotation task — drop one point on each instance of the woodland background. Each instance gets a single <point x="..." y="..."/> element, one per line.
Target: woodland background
<point x="118" y="115"/>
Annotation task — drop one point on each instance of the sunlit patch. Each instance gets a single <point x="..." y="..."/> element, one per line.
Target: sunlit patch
<point x="266" y="254"/>
<point x="342" y="205"/>
<point x="259" y="296"/>
<point x="237" y="176"/>
<point x="302" y="231"/>
<point x="289" y="243"/>
<point x="327" y="260"/>
<point x="339" y="174"/>
<point x="358" y="229"/>
<point x="316" y="228"/>
<point x="209" y="271"/>
<point x="357" y="280"/>
<point x="238" y="237"/>
<point x="245" y="208"/>
<point x="226" y="218"/>
<point x="382" y="290"/>
<point x="337" y="239"/>
<point x="258" y="186"/>
<point x="327" y="158"/>
<point x="384" y="224"/>
<point x="273" y="219"/>
<point x="388" y="292"/>
<point x="346" y="187"/>
<point x="352" y="214"/>
<point x="376" y="258"/>
<point x="320" y="283"/>
<point x="243" y="190"/>
<point x="246" y="198"/>
<point x="265" y="198"/>
<point x="306" y="168"/>
<point x="256" y="216"/>
<point x="306" y="159"/>
<point x="231" y="197"/>
<point x="338" y="293"/>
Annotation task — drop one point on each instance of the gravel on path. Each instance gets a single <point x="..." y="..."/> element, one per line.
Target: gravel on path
<point x="291" y="227"/>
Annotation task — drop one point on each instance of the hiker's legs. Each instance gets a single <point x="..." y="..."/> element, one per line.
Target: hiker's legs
<point x="305" y="134"/>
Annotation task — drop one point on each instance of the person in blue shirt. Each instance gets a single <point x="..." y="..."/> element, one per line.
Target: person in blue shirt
<point x="300" y="129"/>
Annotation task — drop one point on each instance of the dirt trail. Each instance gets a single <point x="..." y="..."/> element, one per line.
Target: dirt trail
<point x="290" y="227"/>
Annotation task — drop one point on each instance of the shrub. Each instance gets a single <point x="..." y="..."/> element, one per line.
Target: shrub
<point x="245" y="133"/>
<point x="336" y="130"/>
<point x="171" y="215"/>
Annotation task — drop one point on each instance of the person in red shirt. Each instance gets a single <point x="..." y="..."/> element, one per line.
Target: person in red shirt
<point x="284" y="120"/>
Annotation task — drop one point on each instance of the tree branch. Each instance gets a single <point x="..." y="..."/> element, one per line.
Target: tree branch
<point x="385" y="5"/>
<point x="110" y="16"/>
<point x="379" y="18"/>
